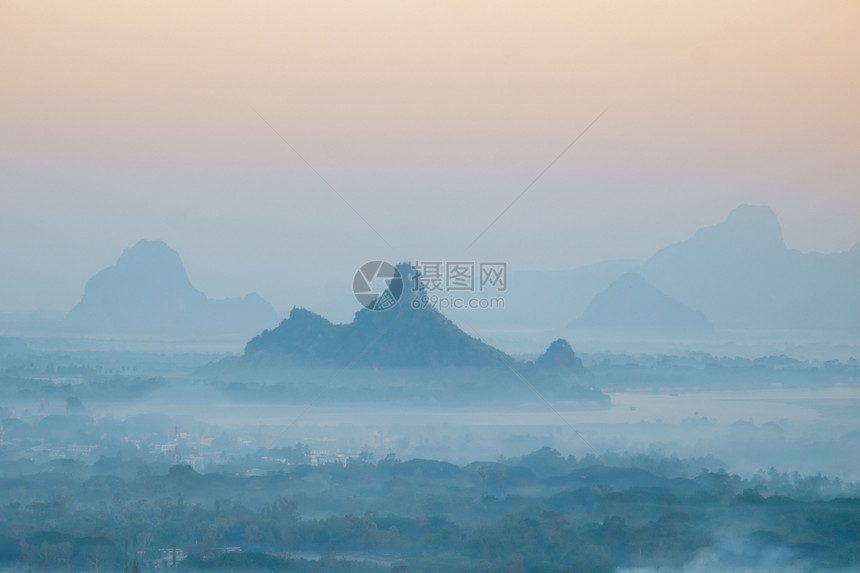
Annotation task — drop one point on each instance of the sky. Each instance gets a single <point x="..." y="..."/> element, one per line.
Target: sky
<point x="277" y="146"/>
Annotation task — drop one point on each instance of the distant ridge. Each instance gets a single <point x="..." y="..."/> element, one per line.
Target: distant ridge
<point x="402" y="336"/>
<point x="564" y="296"/>
<point x="632" y="303"/>
<point x="147" y="293"/>
<point x="409" y="351"/>
<point x="559" y="358"/>
<point x="741" y="275"/>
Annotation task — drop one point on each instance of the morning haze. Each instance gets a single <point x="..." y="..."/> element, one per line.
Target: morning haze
<point x="121" y="124"/>
<point x="447" y="287"/>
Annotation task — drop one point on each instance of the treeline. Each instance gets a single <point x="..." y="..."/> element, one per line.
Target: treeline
<point x="698" y="370"/>
<point x="538" y="513"/>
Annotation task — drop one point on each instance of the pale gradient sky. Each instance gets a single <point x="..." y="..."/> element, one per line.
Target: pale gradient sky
<point x="121" y="121"/>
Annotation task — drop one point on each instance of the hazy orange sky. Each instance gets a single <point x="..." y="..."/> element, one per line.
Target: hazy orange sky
<point x="128" y="120"/>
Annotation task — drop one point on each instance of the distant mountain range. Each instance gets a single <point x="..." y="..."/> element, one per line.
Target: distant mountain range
<point x="406" y="335"/>
<point x="147" y="293"/>
<point x="410" y="351"/>
<point x="631" y="302"/>
<point x="546" y="300"/>
<point x="739" y="274"/>
<point x="401" y="336"/>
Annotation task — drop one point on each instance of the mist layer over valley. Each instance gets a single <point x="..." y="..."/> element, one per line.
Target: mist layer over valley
<point x="135" y="436"/>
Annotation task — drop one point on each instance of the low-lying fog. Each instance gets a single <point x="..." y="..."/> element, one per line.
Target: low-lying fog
<point x="805" y="428"/>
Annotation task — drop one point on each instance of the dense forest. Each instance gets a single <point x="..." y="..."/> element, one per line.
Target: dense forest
<point x="540" y="512"/>
<point x="106" y="466"/>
